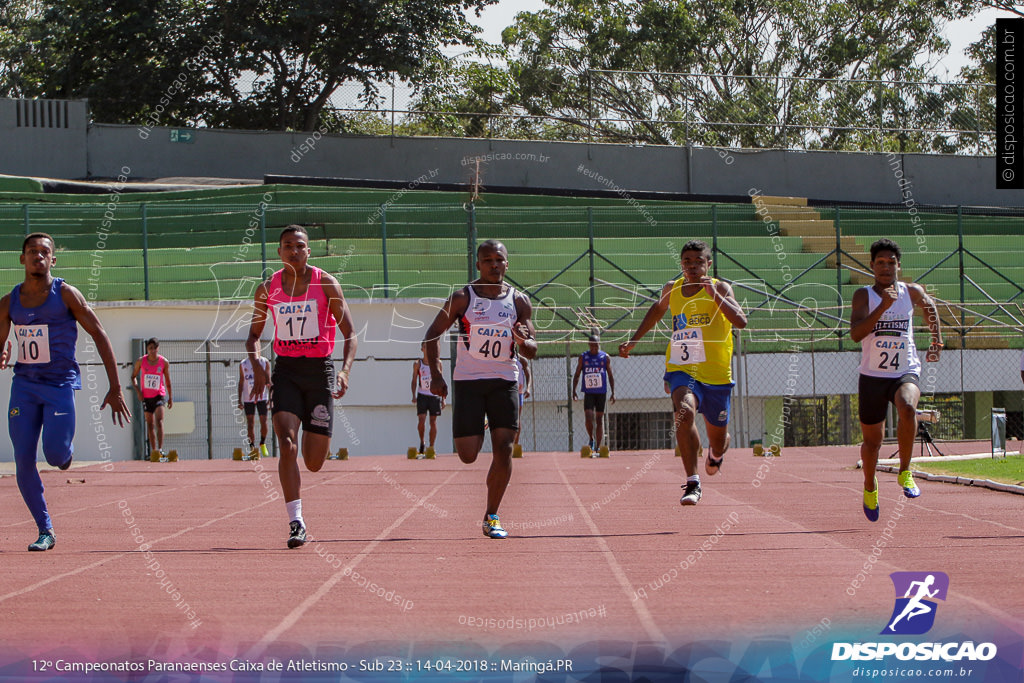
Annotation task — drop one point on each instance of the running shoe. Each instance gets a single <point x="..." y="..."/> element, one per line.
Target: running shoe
<point x="297" y="535"/>
<point x="712" y="464"/>
<point x="906" y="480"/>
<point x="46" y="540"/>
<point x="66" y="465"/>
<point x="871" y="504"/>
<point x="264" y="453"/>
<point x="692" y="493"/>
<point x="493" y="528"/>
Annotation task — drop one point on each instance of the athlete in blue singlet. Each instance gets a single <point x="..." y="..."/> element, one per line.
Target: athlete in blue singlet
<point x="45" y="313"/>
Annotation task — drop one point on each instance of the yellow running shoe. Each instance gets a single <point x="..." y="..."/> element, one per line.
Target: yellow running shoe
<point x="871" y="503"/>
<point x="906" y="480"/>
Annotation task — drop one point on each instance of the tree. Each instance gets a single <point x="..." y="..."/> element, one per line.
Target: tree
<point x="716" y="72"/>
<point x="268" y="64"/>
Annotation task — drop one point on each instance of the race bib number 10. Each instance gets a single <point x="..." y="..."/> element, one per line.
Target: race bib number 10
<point x="33" y="343"/>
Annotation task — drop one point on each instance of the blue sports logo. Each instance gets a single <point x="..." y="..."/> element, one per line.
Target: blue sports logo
<point x="916" y="595"/>
<point x="679" y="322"/>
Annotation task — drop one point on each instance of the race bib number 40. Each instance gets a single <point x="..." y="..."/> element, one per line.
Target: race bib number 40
<point x="296" y="320"/>
<point x="889" y="355"/>
<point x="490" y="342"/>
<point x="688" y="346"/>
<point x="33" y="343"/>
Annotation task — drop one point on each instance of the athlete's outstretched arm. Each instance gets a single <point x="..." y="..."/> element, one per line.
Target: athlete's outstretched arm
<point x="611" y="377"/>
<point x="87" y="318"/>
<point x="920" y="298"/>
<point x="167" y="381"/>
<point x="655" y="313"/>
<point x="5" y="330"/>
<point x="862" y="320"/>
<point x="523" y="331"/>
<point x="340" y="311"/>
<point x="260" y="376"/>
<point x="453" y="309"/>
<point x="576" y="376"/>
<point x="727" y="304"/>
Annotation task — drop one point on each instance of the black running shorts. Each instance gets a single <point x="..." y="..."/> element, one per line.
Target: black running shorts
<point x="302" y="387"/>
<point x="254" y="407"/>
<point x="594" y="402"/>
<point x="475" y="399"/>
<point x="149" y="405"/>
<point x="875" y="394"/>
<point x="428" y="404"/>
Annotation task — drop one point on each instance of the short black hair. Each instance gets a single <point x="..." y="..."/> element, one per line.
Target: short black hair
<point x="695" y="245"/>
<point x="885" y="244"/>
<point x="37" y="235"/>
<point x="154" y="341"/>
<point x="491" y="244"/>
<point x="291" y="229"/>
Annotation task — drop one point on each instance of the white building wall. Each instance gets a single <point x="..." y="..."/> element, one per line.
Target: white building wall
<point x="378" y="407"/>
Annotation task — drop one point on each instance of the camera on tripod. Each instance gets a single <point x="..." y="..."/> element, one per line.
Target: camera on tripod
<point x="928" y="416"/>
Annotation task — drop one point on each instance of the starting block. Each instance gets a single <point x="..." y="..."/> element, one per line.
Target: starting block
<point x="172" y="456"/>
<point x="604" y="452"/>
<point x="237" y="454"/>
<point x="758" y="450"/>
<point x="585" y="452"/>
<point x="776" y="451"/>
<point x="430" y="454"/>
<point x="154" y="455"/>
<point x="342" y="454"/>
<point x="412" y="453"/>
<point x="517" y="450"/>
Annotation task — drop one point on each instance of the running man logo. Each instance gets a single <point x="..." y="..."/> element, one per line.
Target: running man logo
<point x="916" y="592"/>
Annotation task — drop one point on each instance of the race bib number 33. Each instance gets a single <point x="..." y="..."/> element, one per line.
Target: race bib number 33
<point x="593" y="380"/>
<point x="688" y="346"/>
<point x="33" y="343"/>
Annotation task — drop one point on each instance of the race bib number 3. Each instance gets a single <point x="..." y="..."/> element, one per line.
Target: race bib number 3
<point x="688" y="346"/>
<point x="151" y="382"/>
<point x="296" y="320"/>
<point x="33" y="343"/>
<point x="493" y="342"/>
<point x="889" y="355"/>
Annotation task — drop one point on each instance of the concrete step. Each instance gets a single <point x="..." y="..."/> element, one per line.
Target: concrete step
<point x="777" y="212"/>
<point x="782" y="201"/>
<point x="808" y="228"/>
<point x="823" y="244"/>
<point x="862" y="257"/>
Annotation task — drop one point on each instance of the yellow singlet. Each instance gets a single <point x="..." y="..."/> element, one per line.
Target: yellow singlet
<point x="701" y="343"/>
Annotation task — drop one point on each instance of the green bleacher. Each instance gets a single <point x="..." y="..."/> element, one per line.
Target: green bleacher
<point x="206" y="244"/>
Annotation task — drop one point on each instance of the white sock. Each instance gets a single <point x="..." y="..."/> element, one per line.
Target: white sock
<point x="695" y="478"/>
<point x="294" y="508"/>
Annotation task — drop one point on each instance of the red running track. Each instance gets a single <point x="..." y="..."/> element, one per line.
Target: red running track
<point x="604" y="541"/>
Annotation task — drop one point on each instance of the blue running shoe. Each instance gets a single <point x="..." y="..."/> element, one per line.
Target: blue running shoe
<point x="906" y="480"/>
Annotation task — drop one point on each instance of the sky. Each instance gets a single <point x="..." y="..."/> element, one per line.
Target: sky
<point x="960" y="34"/>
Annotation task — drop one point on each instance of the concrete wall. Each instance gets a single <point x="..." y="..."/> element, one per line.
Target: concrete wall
<point x="378" y="408"/>
<point x="44" y="138"/>
<point x="102" y="150"/>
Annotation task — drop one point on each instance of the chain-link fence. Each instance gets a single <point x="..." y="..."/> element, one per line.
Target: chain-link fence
<point x="793" y="269"/>
<point x="719" y="110"/>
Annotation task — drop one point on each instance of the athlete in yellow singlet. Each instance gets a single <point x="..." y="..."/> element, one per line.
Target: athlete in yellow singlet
<point x="698" y="361"/>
